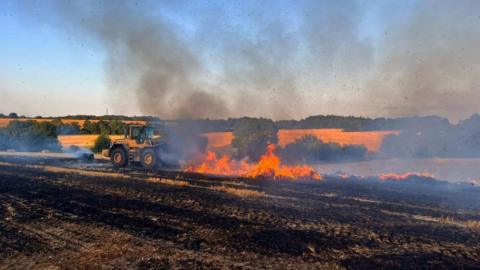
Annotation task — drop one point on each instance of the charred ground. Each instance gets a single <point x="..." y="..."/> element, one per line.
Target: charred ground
<point x="54" y="214"/>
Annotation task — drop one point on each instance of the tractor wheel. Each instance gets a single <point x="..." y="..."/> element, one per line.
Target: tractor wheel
<point x="119" y="157"/>
<point x="149" y="159"/>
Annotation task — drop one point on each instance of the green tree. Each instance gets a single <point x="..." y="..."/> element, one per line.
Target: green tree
<point x="104" y="127"/>
<point x="12" y="115"/>
<point x="44" y="129"/>
<point x="90" y="128"/>
<point x="102" y="142"/>
<point x="4" y="139"/>
<point x="117" y="127"/>
<point x="57" y="122"/>
<point x="252" y="136"/>
<point x="30" y="136"/>
<point x="309" y="149"/>
<point x="69" y="129"/>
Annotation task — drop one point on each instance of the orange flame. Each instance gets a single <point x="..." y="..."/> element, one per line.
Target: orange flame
<point x="270" y="165"/>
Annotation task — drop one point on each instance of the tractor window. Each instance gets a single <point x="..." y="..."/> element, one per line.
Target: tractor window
<point x="136" y="132"/>
<point x="149" y="132"/>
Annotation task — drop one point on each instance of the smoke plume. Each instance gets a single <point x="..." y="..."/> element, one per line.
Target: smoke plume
<point x="144" y="56"/>
<point x="280" y="59"/>
<point x="251" y="64"/>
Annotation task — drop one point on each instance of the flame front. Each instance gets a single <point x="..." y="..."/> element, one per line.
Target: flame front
<point x="270" y="165"/>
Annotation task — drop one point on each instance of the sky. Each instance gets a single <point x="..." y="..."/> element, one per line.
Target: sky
<point x="219" y="59"/>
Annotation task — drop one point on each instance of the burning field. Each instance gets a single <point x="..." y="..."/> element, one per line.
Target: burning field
<point x="239" y="134"/>
<point x="269" y="166"/>
<point x="91" y="216"/>
<point x="263" y="204"/>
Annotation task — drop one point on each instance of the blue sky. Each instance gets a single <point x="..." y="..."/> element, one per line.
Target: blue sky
<point x="43" y="70"/>
<point x="50" y="69"/>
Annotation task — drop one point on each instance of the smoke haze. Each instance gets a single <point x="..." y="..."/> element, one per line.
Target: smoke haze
<point x="430" y="63"/>
<point x="279" y="60"/>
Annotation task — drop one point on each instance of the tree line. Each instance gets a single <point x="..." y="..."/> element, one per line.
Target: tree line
<point x="29" y="136"/>
<point x="348" y="123"/>
<point x="43" y="135"/>
<point x="87" y="117"/>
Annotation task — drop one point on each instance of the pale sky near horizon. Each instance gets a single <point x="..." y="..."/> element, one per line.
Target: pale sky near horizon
<point x="353" y="68"/>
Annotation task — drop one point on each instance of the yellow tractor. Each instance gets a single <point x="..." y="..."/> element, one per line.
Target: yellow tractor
<point x="139" y="145"/>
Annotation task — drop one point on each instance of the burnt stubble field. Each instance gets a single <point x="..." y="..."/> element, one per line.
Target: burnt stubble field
<point x="70" y="215"/>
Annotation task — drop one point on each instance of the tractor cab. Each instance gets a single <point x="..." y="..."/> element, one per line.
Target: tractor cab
<point x="140" y="133"/>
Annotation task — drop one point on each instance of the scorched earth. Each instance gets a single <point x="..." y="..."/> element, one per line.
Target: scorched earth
<point x="73" y="215"/>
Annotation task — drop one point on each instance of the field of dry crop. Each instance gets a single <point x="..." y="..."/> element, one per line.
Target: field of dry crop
<point x="372" y="140"/>
<point x="85" y="141"/>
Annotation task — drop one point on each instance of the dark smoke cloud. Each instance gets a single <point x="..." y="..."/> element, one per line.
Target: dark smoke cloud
<point x="259" y="60"/>
<point x="278" y="56"/>
<point x="260" y="71"/>
<point x="145" y="55"/>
